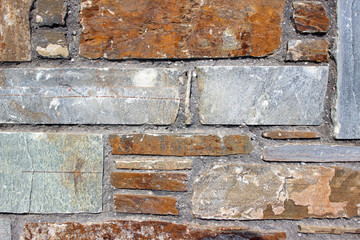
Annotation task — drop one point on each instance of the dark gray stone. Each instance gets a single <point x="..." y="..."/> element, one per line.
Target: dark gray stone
<point x="51" y="12"/>
<point x="5" y="229"/>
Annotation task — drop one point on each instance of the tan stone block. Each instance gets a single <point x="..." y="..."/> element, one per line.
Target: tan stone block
<point x="154" y="164"/>
<point x="279" y="134"/>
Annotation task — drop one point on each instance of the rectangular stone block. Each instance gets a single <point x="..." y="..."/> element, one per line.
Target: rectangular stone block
<point x="89" y="96"/>
<point x="124" y="229"/>
<point x="154" y="164"/>
<point x="256" y="191"/>
<point x="327" y="229"/>
<point x="279" y="134"/>
<point x="346" y="116"/>
<point x="313" y="50"/>
<point x="51" y="173"/>
<point x="311" y="153"/>
<point x="262" y="95"/>
<point x="15" y="43"/>
<point x="145" y="204"/>
<point x="51" y="12"/>
<point x="5" y="229"/>
<point x="310" y="17"/>
<point x="116" y="29"/>
<point x="151" y="181"/>
<point x="180" y="144"/>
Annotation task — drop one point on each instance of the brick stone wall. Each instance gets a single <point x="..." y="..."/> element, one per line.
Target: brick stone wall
<point x="179" y="119"/>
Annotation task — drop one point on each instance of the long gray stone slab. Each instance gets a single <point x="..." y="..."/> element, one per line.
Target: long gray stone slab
<point x="311" y="153"/>
<point x="347" y="114"/>
<point x="262" y="95"/>
<point x="51" y="173"/>
<point x="5" y="229"/>
<point x="89" y="96"/>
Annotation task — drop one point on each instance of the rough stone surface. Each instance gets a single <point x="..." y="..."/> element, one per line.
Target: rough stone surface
<point x="347" y="113"/>
<point x="51" y="12"/>
<point x="155" y="164"/>
<point x="262" y="95"/>
<point x="244" y="191"/>
<point x="151" y="181"/>
<point x="52" y="173"/>
<point x="123" y="229"/>
<point x="308" y="50"/>
<point x="327" y="229"/>
<point x="116" y="29"/>
<point x="310" y="17"/>
<point x="15" y="30"/>
<point x="89" y="96"/>
<point x="158" y="205"/>
<point x="279" y="134"/>
<point x="5" y="229"/>
<point x="311" y="153"/>
<point x="180" y="144"/>
<point x="52" y="45"/>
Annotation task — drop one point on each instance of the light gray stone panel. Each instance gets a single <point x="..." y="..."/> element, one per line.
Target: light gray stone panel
<point x="5" y="229"/>
<point x="89" y="96"/>
<point x="347" y="114"/>
<point x="52" y="173"/>
<point x="262" y="95"/>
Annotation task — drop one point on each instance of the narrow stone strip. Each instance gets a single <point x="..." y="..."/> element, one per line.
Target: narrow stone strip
<point x="279" y="134"/>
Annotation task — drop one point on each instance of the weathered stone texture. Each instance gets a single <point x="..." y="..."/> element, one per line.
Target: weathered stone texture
<point x="51" y="12"/>
<point x="52" y="44"/>
<point x="151" y="181"/>
<point x="311" y="153"/>
<point x="116" y="29"/>
<point x="308" y="50"/>
<point x="15" y="30"/>
<point x="5" y="229"/>
<point x="155" y="164"/>
<point x="310" y="17"/>
<point x="52" y="173"/>
<point x="244" y="191"/>
<point x="89" y="96"/>
<point x="180" y="144"/>
<point x="142" y="230"/>
<point x="158" y="205"/>
<point x="327" y="229"/>
<point x="279" y="134"/>
<point x="262" y="95"/>
<point x="347" y="113"/>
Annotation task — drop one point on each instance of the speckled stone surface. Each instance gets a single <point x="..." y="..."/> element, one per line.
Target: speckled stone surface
<point x="5" y="229"/>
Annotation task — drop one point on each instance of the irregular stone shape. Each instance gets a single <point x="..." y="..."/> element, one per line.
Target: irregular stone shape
<point x="15" y="30"/>
<point x="262" y="95"/>
<point x="51" y="12"/>
<point x="155" y="164"/>
<point x="152" y="181"/>
<point x="311" y="153"/>
<point x="123" y="229"/>
<point x="308" y="50"/>
<point x="245" y="191"/>
<point x="327" y="229"/>
<point x="310" y="17"/>
<point x="347" y="114"/>
<point x="180" y="144"/>
<point x="52" y="173"/>
<point x="116" y="29"/>
<point x="52" y="44"/>
<point x="89" y="96"/>
<point x="5" y="229"/>
<point x="279" y="134"/>
<point x="145" y="204"/>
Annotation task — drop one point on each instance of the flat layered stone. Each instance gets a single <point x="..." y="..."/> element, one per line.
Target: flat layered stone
<point x="249" y="192"/>
<point x="51" y="12"/>
<point x="52" y="44"/>
<point x="123" y="229"/>
<point x="15" y="43"/>
<point x="180" y="144"/>
<point x="151" y="181"/>
<point x="311" y="153"/>
<point x="327" y="229"/>
<point x="158" y="205"/>
<point x="116" y="29"/>
<point x="308" y="50"/>
<point x="52" y="173"/>
<point x="89" y="96"/>
<point x="262" y="95"/>
<point x="310" y="17"/>
<point x="279" y="134"/>
<point x="346" y="116"/>
<point x="154" y="164"/>
<point x="5" y="229"/>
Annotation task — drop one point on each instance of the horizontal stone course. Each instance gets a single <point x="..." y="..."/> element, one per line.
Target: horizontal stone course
<point x="279" y="134"/>
<point x="155" y="164"/>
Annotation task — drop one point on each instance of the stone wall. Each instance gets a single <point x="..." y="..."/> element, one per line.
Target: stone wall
<point x="179" y="119"/>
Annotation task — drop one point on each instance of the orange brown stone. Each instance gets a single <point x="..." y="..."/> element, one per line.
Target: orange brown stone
<point x="279" y="134"/>
<point x="118" y="29"/>
<point x="310" y="17"/>
<point x="308" y="50"/>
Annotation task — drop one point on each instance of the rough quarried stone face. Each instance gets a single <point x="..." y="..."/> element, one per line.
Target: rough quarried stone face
<point x="280" y="134"/>
<point x="51" y="12"/>
<point x="308" y="50"/>
<point x="310" y="17"/>
<point x="116" y="29"/>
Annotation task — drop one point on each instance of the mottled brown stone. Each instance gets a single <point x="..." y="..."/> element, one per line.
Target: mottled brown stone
<point x="123" y="229"/>
<point x="310" y="17"/>
<point x="152" y="181"/>
<point x="180" y="144"/>
<point x="308" y="50"/>
<point x="279" y="134"/>
<point x="154" y="164"/>
<point x="15" y="30"/>
<point x="244" y="191"/>
<point x="51" y="12"/>
<point x="118" y="29"/>
<point x="52" y="44"/>
<point x="327" y="229"/>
